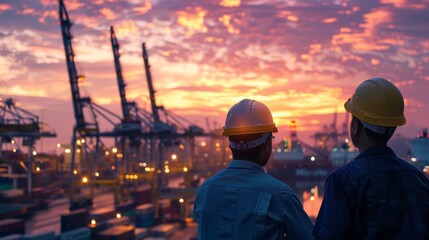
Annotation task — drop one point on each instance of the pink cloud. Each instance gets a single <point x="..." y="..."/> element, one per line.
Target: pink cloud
<point x="108" y="14"/>
<point x="4" y="7"/>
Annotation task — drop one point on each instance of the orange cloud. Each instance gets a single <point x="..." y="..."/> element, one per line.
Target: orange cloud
<point x="147" y="5"/>
<point x="329" y="20"/>
<point x="226" y="20"/>
<point x="52" y="14"/>
<point x="48" y="2"/>
<point x="125" y="28"/>
<point x="73" y="5"/>
<point x="4" y="7"/>
<point x="396" y="3"/>
<point x="193" y="19"/>
<point x="26" y="91"/>
<point x="362" y="40"/>
<point x="108" y="14"/>
<point x="230" y="3"/>
<point x="375" y="61"/>
<point x="293" y="18"/>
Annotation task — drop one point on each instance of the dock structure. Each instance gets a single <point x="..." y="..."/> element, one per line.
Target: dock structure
<point x="142" y="186"/>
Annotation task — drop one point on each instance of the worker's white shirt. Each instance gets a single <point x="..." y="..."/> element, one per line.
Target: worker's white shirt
<point x="244" y="202"/>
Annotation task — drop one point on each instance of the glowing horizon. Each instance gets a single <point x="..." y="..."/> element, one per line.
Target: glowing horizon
<point x="303" y="59"/>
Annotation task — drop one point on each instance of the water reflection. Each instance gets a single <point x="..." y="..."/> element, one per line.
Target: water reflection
<point x="311" y="201"/>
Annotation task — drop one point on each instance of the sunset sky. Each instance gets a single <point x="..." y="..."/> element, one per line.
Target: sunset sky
<point x="303" y="58"/>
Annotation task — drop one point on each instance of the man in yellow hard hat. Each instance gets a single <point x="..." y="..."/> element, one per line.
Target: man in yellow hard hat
<point x="377" y="195"/>
<point x="243" y="201"/>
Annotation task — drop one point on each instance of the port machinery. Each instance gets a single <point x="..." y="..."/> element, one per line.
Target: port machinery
<point x="89" y="158"/>
<point x="18" y="123"/>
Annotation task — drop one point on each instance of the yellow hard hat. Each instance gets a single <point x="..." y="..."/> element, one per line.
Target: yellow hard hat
<point x="377" y="101"/>
<point x="248" y="117"/>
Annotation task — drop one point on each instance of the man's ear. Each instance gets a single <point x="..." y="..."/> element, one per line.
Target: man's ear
<point x="355" y="126"/>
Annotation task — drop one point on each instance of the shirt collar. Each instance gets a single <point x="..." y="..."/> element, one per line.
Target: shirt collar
<point x="244" y="164"/>
<point x="382" y="149"/>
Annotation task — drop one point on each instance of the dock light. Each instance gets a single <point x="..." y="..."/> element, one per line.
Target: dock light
<point x="165" y="162"/>
<point x="167" y="170"/>
<point x="158" y="171"/>
<point x="13" y="141"/>
<point x="58" y="145"/>
<point x="181" y="200"/>
<point x="34" y="153"/>
<point x="78" y="150"/>
<point x="119" y="155"/>
<point x="84" y="179"/>
<point x="147" y="169"/>
<point x="78" y="142"/>
<point x="37" y="169"/>
<point x="75" y="172"/>
<point x="106" y="153"/>
<point x="67" y="150"/>
<point x="203" y="144"/>
<point x="97" y="174"/>
<point x="143" y="164"/>
<point x="14" y="150"/>
<point x="174" y="157"/>
<point x="413" y="159"/>
<point x="82" y="141"/>
<point x="127" y="176"/>
<point x="118" y="215"/>
<point x="93" y="222"/>
<point x="312" y="198"/>
<point x="313" y="158"/>
<point x="113" y="167"/>
<point x="185" y="169"/>
<point x="114" y="150"/>
<point x="217" y="144"/>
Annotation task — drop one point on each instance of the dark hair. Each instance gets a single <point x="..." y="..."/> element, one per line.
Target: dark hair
<point x="377" y="137"/>
<point x="251" y="154"/>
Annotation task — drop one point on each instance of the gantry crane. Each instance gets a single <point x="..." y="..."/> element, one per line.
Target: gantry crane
<point x="169" y="131"/>
<point x="86" y="113"/>
<point x="137" y="124"/>
<point x="16" y="122"/>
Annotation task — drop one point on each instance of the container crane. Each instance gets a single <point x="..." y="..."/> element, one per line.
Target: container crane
<point x="88" y="128"/>
<point x="16" y="122"/>
<point x="136" y="123"/>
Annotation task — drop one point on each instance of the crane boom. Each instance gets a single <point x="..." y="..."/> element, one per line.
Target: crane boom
<point x="78" y="102"/>
<point x="118" y="69"/>
<point x="150" y="86"/>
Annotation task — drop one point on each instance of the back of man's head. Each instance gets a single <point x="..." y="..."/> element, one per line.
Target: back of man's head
<point x="249" y="124"/>
<point x="378" y="106"/>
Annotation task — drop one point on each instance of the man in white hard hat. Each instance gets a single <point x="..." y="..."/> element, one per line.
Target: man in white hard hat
<point x="377" y="195"/>
<point x="243" y="201"/>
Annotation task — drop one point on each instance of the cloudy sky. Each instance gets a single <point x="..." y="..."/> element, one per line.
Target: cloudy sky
<point x="303" y="58"/>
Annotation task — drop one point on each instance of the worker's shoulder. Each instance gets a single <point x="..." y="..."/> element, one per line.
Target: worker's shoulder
<point x="349" y="172"/>
<point x="275" y="185"/>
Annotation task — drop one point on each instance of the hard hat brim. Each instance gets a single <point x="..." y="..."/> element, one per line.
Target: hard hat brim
<point x="372" y="118"/>
<point x="249" y="130"/>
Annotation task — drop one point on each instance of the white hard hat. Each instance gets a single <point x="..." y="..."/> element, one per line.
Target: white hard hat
<point x="248" y="117"/>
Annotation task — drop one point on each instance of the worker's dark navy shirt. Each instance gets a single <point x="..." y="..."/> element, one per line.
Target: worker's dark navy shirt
<point x="376" y="196"/>
<point x="244" y="202"/>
